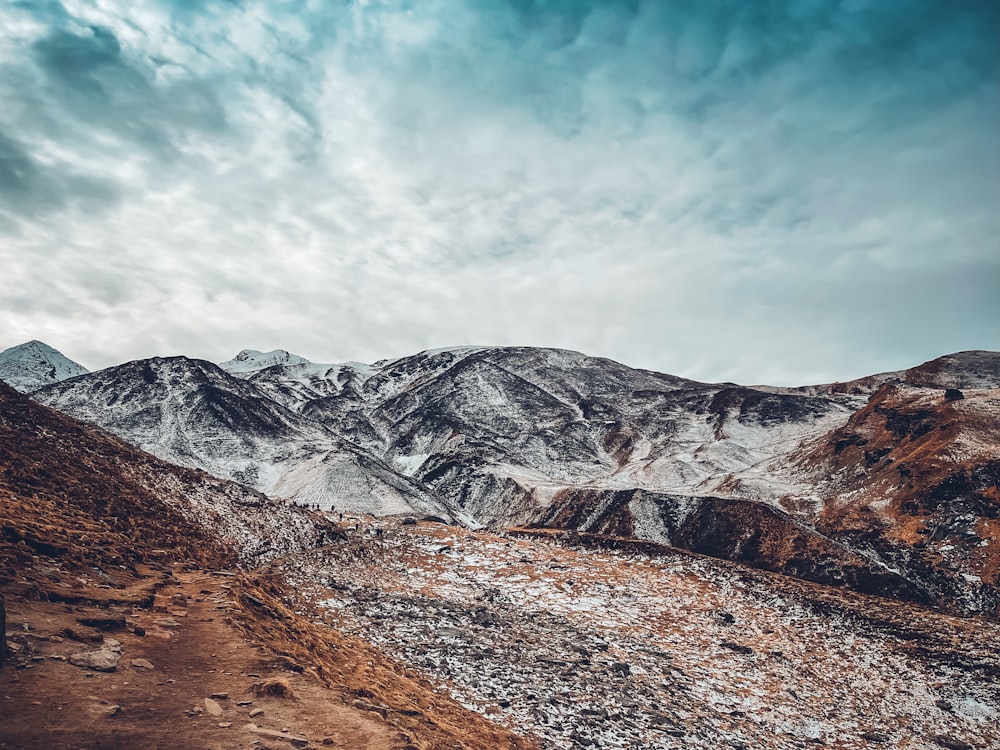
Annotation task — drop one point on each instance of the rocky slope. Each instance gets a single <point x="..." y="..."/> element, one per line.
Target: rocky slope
<point x="605" y="643"/>
<point x="31" y="365"/>
<point x="914" y="479"/>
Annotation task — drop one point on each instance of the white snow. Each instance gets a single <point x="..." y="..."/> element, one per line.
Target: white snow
<point x="34" y="364"/>
<point x="251" y="360"/>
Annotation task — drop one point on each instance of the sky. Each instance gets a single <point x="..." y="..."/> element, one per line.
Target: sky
<point x="760" y="192"/>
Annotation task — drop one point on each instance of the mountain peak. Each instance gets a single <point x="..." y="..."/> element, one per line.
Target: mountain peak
<point x="251" y="360"/>
<point x="34" y="364"/>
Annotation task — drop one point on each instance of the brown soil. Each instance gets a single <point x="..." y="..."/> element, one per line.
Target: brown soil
<point x="48" y="701"/>
<point x="202" y="639"/>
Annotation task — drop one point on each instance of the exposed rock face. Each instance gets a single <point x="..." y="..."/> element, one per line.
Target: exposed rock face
<point x="913" y="478"/>
<point x="738" y="530"/>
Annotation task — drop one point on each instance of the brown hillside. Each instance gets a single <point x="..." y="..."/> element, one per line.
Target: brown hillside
<point x="915" y="474"/>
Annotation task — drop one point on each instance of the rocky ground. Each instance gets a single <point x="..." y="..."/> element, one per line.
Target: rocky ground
<point x="619" y="649"/>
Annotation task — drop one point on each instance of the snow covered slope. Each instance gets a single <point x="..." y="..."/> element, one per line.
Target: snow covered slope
<point x="250" y="360"/>
<point x="192" y="413"/>
<point x="34" y="364"/>
<point x="500" y="430"/>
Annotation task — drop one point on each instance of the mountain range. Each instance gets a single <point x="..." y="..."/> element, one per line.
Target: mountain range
<point x="886" y="484"/>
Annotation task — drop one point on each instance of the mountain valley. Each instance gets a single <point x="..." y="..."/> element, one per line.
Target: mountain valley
<point x="506" y="547"/>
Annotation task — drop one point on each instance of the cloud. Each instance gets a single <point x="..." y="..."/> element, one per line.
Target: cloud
<point x="784" y="191"/>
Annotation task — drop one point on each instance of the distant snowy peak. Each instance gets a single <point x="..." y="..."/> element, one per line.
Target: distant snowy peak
<point x="34" y="364"/>
<point x="250" y="361"/>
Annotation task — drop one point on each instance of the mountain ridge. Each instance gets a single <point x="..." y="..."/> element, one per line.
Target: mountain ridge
<point x="516" y="436"/>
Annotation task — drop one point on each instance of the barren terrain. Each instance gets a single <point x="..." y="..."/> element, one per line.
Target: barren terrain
<point x="618" y="648"/>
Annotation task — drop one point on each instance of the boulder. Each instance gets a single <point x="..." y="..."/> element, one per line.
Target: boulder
<point x="104" y="659"/>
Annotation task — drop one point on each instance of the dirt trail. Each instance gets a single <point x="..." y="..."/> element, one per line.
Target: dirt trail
<point x="195" y="652"/>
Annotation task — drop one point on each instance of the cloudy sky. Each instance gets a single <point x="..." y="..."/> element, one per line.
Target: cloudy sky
<point x="782" y="192"/>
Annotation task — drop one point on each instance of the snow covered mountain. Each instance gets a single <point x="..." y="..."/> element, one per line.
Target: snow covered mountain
<point x="33" y="364"/>
<point x="193" y="413"/>
<point x="250" y="360"/>
<point x="520" y="436"/>
<point x="500" y="430"/>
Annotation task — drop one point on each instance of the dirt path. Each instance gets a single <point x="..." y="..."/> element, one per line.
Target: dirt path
<point x="195" y="653"/>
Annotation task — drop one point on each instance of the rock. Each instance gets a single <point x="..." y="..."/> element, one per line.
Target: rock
<point x="225" y="724"/>
<point x="179" y="600"/>
<point x="875" y="737"/>
<point x="142" y="664"/>
<point x="105" y="659"/>
<point x="621" y="668"/>
<point x="212" y="707"/>
<point x="944" y="705"/>
<point x="951" y="743"/>
<point x="363" y="706"/>
<point x="167" y="622"/>
<point x="139" y="630"/>
<point x="256" y="712"/>
<point x="112" y="711"/>
<point x="737" y="647"/>
<point x="220" y="696"/>
<point x="104" y="624"/>
<point x="296" y="740"/>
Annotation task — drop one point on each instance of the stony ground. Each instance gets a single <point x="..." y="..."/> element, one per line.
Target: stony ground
<point x="615" y="649"/>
